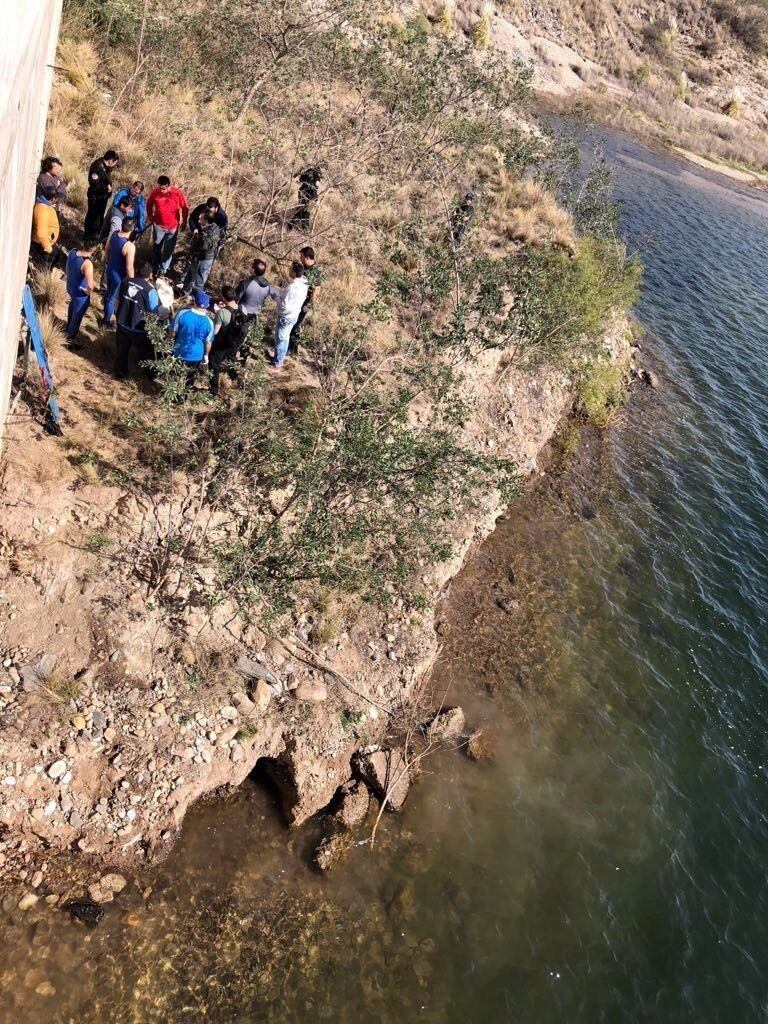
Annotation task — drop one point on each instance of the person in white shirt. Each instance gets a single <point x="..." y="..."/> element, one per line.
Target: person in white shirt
<point x="289" y="304"/>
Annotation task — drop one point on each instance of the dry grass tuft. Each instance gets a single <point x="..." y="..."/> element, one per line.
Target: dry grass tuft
<point x="62" y="688"/>
<point x="523" y="211"/>
<point x="481" y="33"/>
<point x="48" y="287"/>
<point x="51" y="329"/>
<point x="447" y="21"/>
<point x="79" y="60"/>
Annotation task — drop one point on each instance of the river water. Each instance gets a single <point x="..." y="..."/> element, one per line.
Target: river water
<point x="610" y="866"/>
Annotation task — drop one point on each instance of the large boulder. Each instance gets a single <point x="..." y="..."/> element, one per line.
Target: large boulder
<point x="385" y="773"/>
<point x="445" y="726"/>
<point x="353" y="809"/>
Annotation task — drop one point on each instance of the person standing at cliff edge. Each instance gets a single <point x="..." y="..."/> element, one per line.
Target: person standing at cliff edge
<point x="51" y="174"/>
<point x="167" y="210"/>
<point x="99" y="191"/>
<point x="137" y="298"/>
<point x="289" y="307"/>
<point x="79" y="278"/>
<point x="45" y="228"/>
<point x="119" y="264"/>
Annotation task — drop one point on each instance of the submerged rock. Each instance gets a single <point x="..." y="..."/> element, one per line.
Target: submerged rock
<point x="87" y="911"/>
<point x="649" y="378"/>
<point x="446" y="725"/>
<point x="113" y="882"/>
<point x="28" y="900"/>
<point x="481" y="746"/>
<point x="385" y="773"/>
<point x="331" y="850"/>
<point x="355" y="802"/>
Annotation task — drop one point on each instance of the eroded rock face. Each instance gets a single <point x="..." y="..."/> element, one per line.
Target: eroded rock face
<point x="385" y="773"/>
<point x="355" y="802"/>
<point x="445" y="726"/>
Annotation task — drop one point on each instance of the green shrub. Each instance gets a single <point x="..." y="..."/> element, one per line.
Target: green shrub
<point x="601" y="391"/>
<point x="563" y="303"/>
<point x="659" y="39"/>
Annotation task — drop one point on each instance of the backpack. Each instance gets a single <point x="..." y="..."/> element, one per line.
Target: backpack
<point x="236" y="331"/>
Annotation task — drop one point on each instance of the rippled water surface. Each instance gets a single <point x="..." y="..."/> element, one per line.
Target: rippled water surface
<point x="611" y="865"/>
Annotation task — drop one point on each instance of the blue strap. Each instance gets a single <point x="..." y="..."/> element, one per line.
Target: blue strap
<point x="52" y="412"/>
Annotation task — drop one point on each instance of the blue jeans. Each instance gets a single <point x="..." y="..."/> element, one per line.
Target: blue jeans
<point x="110" y="299"/>
<point x="285" y="325"/>
<point x="164" y="240"/>
<point x="78" y="307"/>
<point x="198" y="272"/>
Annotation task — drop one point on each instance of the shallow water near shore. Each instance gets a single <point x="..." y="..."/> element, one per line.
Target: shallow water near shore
<point x="610" y="866"/>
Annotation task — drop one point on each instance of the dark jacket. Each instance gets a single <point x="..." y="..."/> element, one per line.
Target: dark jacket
<point x="220" y="218"/>
<point x="309" y="181"/>
<point x="47" y="180"/>
<point x="205" y="243"/>
<point x="136" y="298"/>
<point x="99" y="179"/>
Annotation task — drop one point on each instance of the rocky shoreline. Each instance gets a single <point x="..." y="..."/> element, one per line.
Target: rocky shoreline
<point x="115" y="720"/>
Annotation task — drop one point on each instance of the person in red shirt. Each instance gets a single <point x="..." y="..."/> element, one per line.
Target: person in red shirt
<point x="167" y="210"/>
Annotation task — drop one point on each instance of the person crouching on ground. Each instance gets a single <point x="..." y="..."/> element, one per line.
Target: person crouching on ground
<point x="192" y="331"/>
<point x="138" y="200"/>
<point x="120" y="257"/>
<point x="137" y="298"/>
<point x="289" y="306"/>
<point x="79" y="278"/>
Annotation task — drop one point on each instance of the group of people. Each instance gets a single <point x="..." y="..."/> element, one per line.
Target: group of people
<point x="203" y="332"/>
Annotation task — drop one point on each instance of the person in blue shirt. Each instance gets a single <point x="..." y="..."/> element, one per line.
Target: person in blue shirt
<point x="79" y="278"/>
<point x="135" y="194"/>
<point x="192" y="331"/>
<point x="137" y="298"/>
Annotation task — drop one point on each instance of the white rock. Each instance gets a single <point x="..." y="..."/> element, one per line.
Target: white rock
<point x="57" y="769"/>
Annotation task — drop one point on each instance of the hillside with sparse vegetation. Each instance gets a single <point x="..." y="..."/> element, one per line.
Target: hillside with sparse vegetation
<point x="689" y="75"/>
<point x="210" y="583"/>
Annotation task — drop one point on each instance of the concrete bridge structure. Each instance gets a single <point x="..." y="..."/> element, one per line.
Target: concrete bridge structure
<point x="27" y="52"/>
